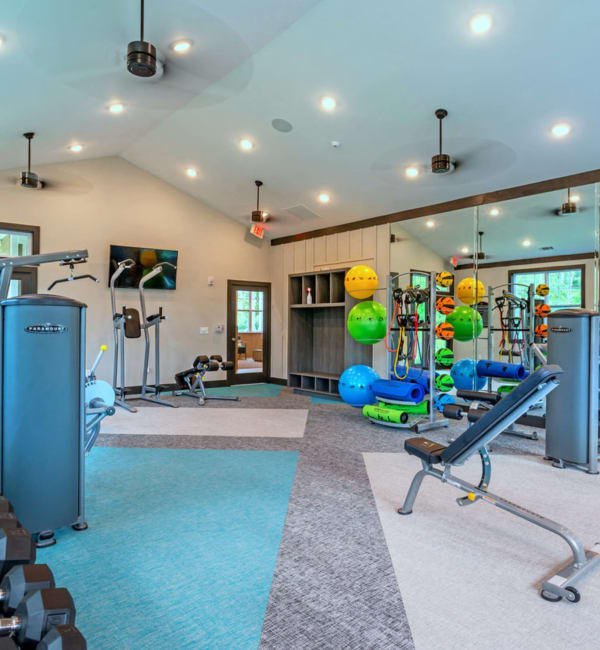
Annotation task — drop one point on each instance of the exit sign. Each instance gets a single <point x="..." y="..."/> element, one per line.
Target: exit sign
<point x="257" y="230"/>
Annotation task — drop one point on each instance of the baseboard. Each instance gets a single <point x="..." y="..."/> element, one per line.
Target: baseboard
<point x="277" y="380"/>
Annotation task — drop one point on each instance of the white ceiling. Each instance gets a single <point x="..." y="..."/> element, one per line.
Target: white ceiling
<point x="389" y="64"/>
<point x="531" y="218"/>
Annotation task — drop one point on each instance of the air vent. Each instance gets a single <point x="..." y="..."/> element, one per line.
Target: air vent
<point x="547" y="248"/>
<point x="302" y="212"/>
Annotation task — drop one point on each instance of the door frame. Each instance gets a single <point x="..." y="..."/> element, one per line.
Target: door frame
<point x="248" y="377"/>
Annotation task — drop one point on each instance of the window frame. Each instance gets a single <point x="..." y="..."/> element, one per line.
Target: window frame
<point x="251" y="312"/>
<point x="550" y="269"/>
<point x="27" y="274"/>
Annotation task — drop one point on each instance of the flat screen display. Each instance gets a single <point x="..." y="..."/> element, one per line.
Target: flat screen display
<point x="145" y="259"/>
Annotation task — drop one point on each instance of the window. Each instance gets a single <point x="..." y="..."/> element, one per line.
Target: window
<point x="14" y="243"/>
<point x="250" y="311"/>
<point x="566" y="284"/>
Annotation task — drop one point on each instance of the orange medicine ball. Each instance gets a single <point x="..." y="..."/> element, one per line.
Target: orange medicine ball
<point x="542" y="330"/>
<point x="542" y="310"/>
<point x="444" y="331"/>
<point x="445" y="304"/>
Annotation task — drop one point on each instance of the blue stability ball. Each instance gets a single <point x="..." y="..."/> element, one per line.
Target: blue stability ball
<point x="356" y="385"/>
<point x="465" y="375"/>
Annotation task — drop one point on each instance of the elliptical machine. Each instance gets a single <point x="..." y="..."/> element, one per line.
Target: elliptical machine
<point x="128" y="324"/>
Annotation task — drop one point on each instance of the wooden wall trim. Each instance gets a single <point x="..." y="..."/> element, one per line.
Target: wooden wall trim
<point x="531" y="260"/>
<point x="540" y="187"/>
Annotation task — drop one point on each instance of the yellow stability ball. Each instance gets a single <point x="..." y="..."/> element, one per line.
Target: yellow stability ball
<point x="467" y="293"/>
<point x="361" y="281"/>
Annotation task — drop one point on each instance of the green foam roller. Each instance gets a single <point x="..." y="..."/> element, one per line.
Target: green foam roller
<point x="385" y="414"/>
<point x="420" y="409"/>
<point x="506" y="389"/>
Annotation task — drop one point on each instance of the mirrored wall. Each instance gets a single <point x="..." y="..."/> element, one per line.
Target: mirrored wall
<point x="512" y="262"/>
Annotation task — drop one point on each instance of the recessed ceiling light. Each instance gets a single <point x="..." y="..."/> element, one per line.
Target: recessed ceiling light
<point x="411" y="172"/>
<point x="430" y="223"/>
<point x="76" y="148"/>
<point x="1" y="41"/>
<point x="246" y="145"/>
<point x="324" y="198"/>
<point x="328" y="103"/>
<point x="494" y="212"/>
<point x="181" y="46"/>
<point x="526" y="242"/>
<point x="561" y="129"/>
<point x="575" y="198"/>
<point x="481" y="24"/>
<point x="464" y="250"/>
<point x="191" y="172"/>
<point x="116" y="108"/>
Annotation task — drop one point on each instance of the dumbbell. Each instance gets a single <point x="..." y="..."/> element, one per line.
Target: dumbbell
<point x="22" y="580"/>
<point x="62" y="637"/>
<point x="37" y="614"/>
<point x="17" y="546"/>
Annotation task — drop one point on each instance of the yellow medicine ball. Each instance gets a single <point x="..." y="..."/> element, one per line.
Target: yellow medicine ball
<point x="361" y="281"/>
<point x="444" y="279"/>
<point x="542" y="290"/>
<point x="467" y="293"/>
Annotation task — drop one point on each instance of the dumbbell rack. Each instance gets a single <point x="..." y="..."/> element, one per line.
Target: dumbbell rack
<point x="431" y="422"/>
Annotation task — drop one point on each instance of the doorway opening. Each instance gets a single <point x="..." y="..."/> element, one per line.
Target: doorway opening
<point x="249" y="331"/>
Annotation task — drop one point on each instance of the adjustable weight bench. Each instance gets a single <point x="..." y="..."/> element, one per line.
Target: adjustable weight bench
<point x="191" y="382"/>
<point x="474" y="440"/>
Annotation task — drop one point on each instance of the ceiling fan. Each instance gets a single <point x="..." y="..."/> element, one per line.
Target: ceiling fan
<point x="569" y="206"/>
<point x="481" y="255"/>
<point x="442" y="163"/>
<point x="141" y="55"/>
<point x="31" y="180"/>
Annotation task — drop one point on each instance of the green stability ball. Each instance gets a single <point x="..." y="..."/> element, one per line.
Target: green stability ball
<point x="367" y="322"/>
<point x="461" y="319"/>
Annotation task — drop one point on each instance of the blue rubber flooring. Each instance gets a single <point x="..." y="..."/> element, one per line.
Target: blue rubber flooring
<point x="181" y="547"/>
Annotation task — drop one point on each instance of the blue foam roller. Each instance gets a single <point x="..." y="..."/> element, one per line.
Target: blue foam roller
<point x="501" y="370"/>
<point x="414" y="376"/>
<point x="401" y="391"/>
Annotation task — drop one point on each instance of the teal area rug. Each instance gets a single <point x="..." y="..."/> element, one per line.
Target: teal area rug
<point x="181" y="547"/>
<point x="246" y="390"/>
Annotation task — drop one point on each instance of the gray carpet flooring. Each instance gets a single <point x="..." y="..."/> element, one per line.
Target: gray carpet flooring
<point x="334" y="585"/>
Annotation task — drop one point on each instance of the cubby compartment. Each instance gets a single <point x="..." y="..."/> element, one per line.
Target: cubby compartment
<point x="295" y="381"/>
<point x="295" y="290"/>
<point x="319" y="345"/>
<point x="308" y="383"/>
<point x="323" y="288"/>
<point x="308" y="282"/>
<point x="322" y="384"/>
<point x="338" y="291"/>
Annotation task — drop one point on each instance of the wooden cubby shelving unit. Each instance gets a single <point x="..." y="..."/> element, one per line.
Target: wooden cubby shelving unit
<point x="319" y="345"/>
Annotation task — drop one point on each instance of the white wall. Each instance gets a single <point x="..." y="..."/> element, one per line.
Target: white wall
<point x="369" y="246"/>
<point x="407" y="254"/>
<point x="110" y="201"/>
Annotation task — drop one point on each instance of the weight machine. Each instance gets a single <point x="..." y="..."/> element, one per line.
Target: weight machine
<point x="128" y="324"/>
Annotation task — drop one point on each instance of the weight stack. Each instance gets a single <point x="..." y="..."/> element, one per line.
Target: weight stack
<point x="572" y="408"/>
<point x="42" y="369"/>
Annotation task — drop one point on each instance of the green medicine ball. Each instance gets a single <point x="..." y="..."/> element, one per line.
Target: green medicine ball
<point x="367" y="322"/>
<point x="461" y="319"/>
<point x="444" y="357"/>
<point x="444" y="383"/>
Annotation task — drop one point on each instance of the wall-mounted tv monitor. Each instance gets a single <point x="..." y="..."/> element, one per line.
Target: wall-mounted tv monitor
<point x="145" y="259"/>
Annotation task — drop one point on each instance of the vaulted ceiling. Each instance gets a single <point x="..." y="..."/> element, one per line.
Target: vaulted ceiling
<point x="389" y="64"/>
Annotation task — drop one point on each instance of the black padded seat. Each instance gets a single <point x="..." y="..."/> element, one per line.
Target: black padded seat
<point x="424" y="449"/>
